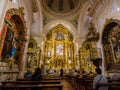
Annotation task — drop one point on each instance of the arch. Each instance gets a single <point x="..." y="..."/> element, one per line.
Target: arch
<point x="59" y="32"/>
<point x="19" y="24"/>
<point x="111" y="44"/>
<point x="14" y="28"/>
<point x="83" y="16"/>
<point x="41" y="15"/>
<point x="66" y="24"/>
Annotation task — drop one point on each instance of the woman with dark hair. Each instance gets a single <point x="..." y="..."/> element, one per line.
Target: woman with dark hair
<point x="99" y="79"/>
<point x="37" y="74"/>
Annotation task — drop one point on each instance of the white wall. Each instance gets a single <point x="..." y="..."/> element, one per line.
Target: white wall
<point x="2" y="6"/>
<point x="35" y="23"/>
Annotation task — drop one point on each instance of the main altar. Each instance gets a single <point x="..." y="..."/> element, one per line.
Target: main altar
<point x="59" y="48"/>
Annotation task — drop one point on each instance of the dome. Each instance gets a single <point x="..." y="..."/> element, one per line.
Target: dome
<point x="61" y="6"/>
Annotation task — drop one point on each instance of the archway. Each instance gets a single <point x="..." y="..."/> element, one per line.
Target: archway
<point x="13" y="35"/>
<point x="111" y="44"/>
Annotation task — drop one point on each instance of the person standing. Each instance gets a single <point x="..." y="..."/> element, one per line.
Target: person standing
<point x="61" y="72"/>
<point x="99" y="79"/>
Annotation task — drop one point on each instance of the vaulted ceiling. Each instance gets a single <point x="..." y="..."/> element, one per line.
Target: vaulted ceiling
<point x="58" y="6"/>
<point x="61" y="6"/>
<point x="63" y="11"/>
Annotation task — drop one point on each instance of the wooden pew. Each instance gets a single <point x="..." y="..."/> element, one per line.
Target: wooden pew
<point x="25" y="87"/>
<point x="111" y="86"/>
<point x="85" y="83"/>
<point x="89" y="84"/>
<point x="28" y="79"/>
<point x="81" y="84"/>
<point x="112" y="80"/>
<point x="32" y="82"/>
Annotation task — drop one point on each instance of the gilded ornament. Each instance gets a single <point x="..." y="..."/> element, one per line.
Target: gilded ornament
<point x="21" y="10"/>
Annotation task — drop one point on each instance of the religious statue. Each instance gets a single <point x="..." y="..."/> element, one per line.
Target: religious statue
<point x="59" y="36"/>
<point x="92" y="35"/>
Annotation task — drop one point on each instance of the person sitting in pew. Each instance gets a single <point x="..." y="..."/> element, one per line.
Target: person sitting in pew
<point x="28" y="74"/>
<point x="37" y="75"/>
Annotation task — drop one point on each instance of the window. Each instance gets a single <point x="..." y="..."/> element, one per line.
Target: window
<point x="14" y="1"/>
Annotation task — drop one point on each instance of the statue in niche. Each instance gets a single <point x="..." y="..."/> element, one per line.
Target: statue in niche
<point x="30" y="45"/>
<point x="28" y="61"/>
<point x="31" y="60"/>
<point x="92" y="35"/>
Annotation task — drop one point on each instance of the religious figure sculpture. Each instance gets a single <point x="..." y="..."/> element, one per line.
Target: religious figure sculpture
<point x="92" y="35"/>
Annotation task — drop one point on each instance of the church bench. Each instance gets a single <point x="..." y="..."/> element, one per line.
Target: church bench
<point x="113" y="80"/>
<point x="23" y="79"/>
<point x="80" y="83"/>
<point x="28" y="79"/>
<point x="111" y="86"/>
<point x="89" y="84"/>
<point x="32" y="82"/>
<point x="26" y="87"/>
<point x="85" y="83"/>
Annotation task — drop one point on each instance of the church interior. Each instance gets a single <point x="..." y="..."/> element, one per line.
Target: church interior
<point x="72" y="35"/>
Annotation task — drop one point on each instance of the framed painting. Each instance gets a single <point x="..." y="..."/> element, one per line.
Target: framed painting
<point x="59" y="49"/>
<point x="7" y="43"/>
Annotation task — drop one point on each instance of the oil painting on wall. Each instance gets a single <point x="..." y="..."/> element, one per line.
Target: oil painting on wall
<point x="111" y="46"/>
<point x="7" y="44"/>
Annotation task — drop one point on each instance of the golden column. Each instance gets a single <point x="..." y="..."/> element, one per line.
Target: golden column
<point x="66" y="60"/>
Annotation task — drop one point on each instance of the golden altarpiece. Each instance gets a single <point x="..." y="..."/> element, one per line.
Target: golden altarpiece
<point x="89" y="53"/>
<point x="33" y="54"/>
<point x="59" y="48"/>
<point x="86" y="53"/>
